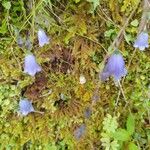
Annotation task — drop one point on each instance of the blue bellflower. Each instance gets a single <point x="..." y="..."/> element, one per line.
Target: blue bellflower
<point x="20" y="41"/>
<point x="87" y="113"/>
<point x="28" y="44"/>
<point x="25" y="107"/>
<point x="80" y="131"/>
<point x="115" y="67"/>
<point x="43" y="38"/>
<point x="31" y="67"/>
<point x="142" y="41"/>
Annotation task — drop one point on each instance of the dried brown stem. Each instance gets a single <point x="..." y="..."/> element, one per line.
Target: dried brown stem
<point x="119" y="37"/>
<point x="143" y="22"/>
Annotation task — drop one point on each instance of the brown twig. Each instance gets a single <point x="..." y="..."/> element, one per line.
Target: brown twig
<point x="146" y="6"/>
<point x="119" y="37"/>
<point x="143" y="22"/>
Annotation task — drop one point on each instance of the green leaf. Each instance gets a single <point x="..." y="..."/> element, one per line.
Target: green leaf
<point x="3" y="28"/>
<point x="95" y="4"/>
<point x="109" y="32"/>
<point x="7" y="5"/>
<point x="121" y="135"/>
<point x="132" y="146"/>
<point x="135" y="23"/>
<point x="128" y="38"/>
<point x="130" y="124"/>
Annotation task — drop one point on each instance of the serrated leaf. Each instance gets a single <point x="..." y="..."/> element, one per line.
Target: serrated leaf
<point x="121" y="135"/>
<point x="132" y="146"/>
<point x="130" y="124"/>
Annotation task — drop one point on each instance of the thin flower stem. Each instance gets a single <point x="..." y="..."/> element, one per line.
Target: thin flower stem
<point x="116" y="103"/>
<point x="117" y="40"/>
<point x="122" y="91"/>
<point x="129" y="64"/>
<point x="143" y="22"/>
<point x="113" y="46"/>
<point x="148" y="2"/>
<point x="124" y="76"/>
<point x="55" y="15"/>
<point x="33" y="19"/>
<point x="107" y="18"/>
<point x="31" y="14"/>
<point x="148" y="114"/>
<point x="40" y="112"/>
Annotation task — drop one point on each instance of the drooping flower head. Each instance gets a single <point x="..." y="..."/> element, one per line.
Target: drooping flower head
<point x="87" y="113"/>
<point x="115" y="67"/>
<point x="25" y="107"/>
<point x="20" y="41"/>
<point x="28" y="44"/>
<point x="31" y="67"/>
<point x="43" y="38"/>
<point x="80" y="131"/>
<point x="142" y="41"/>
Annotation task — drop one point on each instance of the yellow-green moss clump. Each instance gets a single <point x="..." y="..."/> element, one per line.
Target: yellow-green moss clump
<point x="53" y="55"/>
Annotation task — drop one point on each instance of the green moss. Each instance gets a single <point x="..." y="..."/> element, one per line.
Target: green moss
<point x="81" y="34"/>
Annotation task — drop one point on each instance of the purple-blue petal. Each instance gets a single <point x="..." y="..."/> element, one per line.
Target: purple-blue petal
<point x="80" y="131"/>
<point x="31" y="67"/>
<point x="115" y="67"/>
<point x="25" y="107"/>
<point x="43" y="38"/>
<point x="28" y="44"/>
<point x="20" y="41"/>
<point x="142" y="41"/>
<point x="104" y="75"/>
<point x="87" y="112"/>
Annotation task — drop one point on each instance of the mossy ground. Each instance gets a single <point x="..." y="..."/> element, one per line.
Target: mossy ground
<point x="81" y="32"/>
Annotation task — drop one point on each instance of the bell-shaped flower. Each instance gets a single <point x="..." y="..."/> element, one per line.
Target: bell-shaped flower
<point x="105" y="75"/>
<point x="20" y="41"/>
<point x="79" y="131"/>
<point x="87" y="113"/>
<point x="43" y="38"/>
<point x="115" y="67"/>
<point x="30" y="65"/>
<point x="28" y="44"/>
<point x="25" y="107"/>
<point x="142" y="41"/>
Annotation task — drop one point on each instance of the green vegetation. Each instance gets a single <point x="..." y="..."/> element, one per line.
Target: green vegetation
<point x="82" y="35"/>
